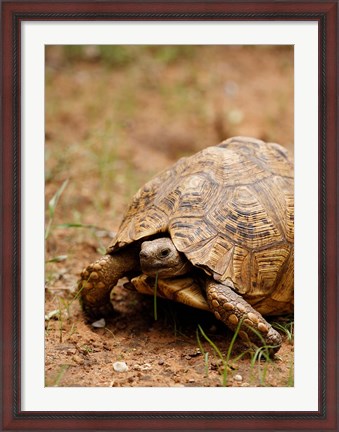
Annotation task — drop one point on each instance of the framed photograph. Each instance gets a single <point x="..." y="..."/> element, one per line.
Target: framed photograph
<point x="129" y="127"/>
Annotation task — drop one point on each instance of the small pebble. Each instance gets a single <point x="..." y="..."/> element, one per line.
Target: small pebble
<point x="238" y="378"/>
<point x="120" y="367"/>
<point x="195" y="353"/>
<point x="53" y="314"/>
<point x="78" y="360"/>
<point x="101" y="323"/>
<point x="145" y="366"/>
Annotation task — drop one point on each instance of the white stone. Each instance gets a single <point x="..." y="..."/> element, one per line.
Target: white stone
<point x="120" y="366"/>
<point x="101" y="323"/>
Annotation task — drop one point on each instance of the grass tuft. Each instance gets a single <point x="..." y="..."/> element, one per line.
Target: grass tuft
<point x="52" y="205"/>
<point x="225" y="361"/>
<point x="287" y="328"/>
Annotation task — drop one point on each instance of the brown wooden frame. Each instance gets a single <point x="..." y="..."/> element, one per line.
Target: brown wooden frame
<point x="326" y="13"/>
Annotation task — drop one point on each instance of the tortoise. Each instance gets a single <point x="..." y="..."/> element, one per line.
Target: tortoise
<point x="216" y="231"/>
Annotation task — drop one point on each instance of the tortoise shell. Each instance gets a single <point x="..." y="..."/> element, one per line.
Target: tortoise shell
<point x="230" y="210"/>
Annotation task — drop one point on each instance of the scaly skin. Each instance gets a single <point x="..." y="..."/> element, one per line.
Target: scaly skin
<point x="99" y="278"/>
<point x="231" y="308"/>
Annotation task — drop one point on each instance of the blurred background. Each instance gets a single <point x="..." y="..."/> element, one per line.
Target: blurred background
<point x="117" y="115"/>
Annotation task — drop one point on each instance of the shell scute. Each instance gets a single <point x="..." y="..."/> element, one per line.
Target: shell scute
<point x="187" y="232"/>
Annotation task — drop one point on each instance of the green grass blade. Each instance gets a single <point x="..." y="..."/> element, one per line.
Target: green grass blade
<point x="290" y="381"/>
<point x="235" y="335"/>
<point x="286" y="328"/>
<point x="203" y="352"/>
<point x="54" y="200"/>
<point x="80" y="225"/>
<point x="218" y="352"/>
<point x="213" y="345"/>
<point x="155" y="297"/>
<point x="58" y="258"/>
<point x="62" y="371"/>
<point x="52" y="206"/>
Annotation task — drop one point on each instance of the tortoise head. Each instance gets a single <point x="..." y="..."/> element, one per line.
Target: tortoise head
<point x="161" y="257"/>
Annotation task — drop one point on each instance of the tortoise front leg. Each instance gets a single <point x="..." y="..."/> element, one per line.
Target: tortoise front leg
<point x="231" y="308"/>
<point x="99" y="278"/>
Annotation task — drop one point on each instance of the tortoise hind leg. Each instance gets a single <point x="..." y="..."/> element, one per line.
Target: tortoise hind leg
<point x="99" y="278"/>
<point x="231" y="308"/>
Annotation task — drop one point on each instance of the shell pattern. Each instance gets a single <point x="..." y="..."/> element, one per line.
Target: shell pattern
<point x="230" y="210"/>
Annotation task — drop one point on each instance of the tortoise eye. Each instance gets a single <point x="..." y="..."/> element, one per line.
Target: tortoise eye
<point x="164" y="253"/>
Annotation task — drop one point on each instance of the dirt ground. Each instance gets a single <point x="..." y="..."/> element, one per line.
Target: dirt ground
<point x="114" y="118"/>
